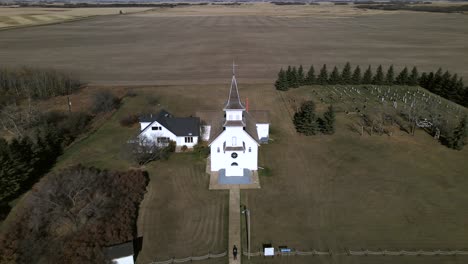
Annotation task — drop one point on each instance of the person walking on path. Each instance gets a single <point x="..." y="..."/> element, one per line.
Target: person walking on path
<point x="234" y="252"/>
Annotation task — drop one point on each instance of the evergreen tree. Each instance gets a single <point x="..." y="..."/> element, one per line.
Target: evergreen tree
<point x="346" y="74"/>
<point x="414" y="77"/>
<point x="390" y="77"/>
<point x="465" y="97"/>
<point x="310" y="79"/>
<point x="402" y="78"/>
<point x="423" y="80"/>
<point x="458" y="139"/>
<point x="323" y="76"/>
<point x="445" y="88"/>
<point x="356" y="79"/>
<point x="455" y="94"/>
<point x="368" y="76"/>
<point x="9" y="182"/>
<point x="379" y="76"/>
<point x="329" y="121"/>
<point x="294" y="78"/>
<point x="300" y="76"/>
<point x="437" y="82"/>
<point x="430" y="82"/>
<point x="289" y="77"/>
<point x="282" y="81"/>
<point x="334" y="76"/>
<point x="305" y="120"/>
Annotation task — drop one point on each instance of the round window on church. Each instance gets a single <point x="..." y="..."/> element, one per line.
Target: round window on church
<point x="234" y="155"/>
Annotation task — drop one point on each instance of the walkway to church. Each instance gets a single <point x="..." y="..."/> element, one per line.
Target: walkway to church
<point x="234" y="225"/>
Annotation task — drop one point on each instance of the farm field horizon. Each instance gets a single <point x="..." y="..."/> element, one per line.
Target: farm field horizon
<point x="187" y="45"/>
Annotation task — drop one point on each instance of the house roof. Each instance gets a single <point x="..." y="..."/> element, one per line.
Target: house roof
<point x="234" y="102"/>
<point x="180" y="126"/>
<point x="213" y="118"/>
<point x="120" y="250"/>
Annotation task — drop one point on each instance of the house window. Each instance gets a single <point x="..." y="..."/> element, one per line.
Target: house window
<point x="156" y="128"/>
<point x="234" y="164"/>
<point x="162" y="140"/>
<point x="188" y="139"/>
<point x="218" y="150"/>
<point x="250" y="149"/>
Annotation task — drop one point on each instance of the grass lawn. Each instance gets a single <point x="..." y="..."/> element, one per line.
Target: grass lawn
<point x="179" y="216"/>
<point x="337" y="192"/>
<point x="350" y="192"/>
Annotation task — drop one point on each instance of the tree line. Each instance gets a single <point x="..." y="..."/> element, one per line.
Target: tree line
<point x="29" y="82"/>
<point x="71" y="215"/>
<point x="444" y="84"/>
<point x="421" y="8"/>
<point x="307" y="123"/>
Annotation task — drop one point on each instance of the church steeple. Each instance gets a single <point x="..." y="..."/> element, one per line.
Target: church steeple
<point x="234" y="102"/>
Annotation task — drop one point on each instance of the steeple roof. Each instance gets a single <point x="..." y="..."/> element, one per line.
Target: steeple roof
<point x="234" y="102"/>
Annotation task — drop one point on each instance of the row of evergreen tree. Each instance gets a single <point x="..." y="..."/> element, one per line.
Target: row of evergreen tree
<point x="307" y="122"/>
<point x="447" y="85"/>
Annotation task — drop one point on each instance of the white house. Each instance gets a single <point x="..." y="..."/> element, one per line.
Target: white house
<point x="234" y="135"/>
<point x="164" y="127"/>
<point x="121" y="253"/>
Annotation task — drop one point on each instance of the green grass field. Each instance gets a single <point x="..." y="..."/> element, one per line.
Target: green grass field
<point x="337" y="192"/>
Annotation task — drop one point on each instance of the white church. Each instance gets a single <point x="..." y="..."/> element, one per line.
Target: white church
<point x="233" y="134"/>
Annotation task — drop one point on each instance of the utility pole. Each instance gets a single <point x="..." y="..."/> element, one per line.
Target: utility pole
<point x="68" y="97"/>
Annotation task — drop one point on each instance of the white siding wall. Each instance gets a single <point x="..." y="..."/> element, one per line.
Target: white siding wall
<point x="234" y="115"/>
<point x="124" y="260"/>
<point x="143" y="125"/>
<point x="263" y="130"/>
<point x="206" y="135"/>
<point x="153" y="134"/>
<point x="181" y="141"/>
<point x="223" y="160"/>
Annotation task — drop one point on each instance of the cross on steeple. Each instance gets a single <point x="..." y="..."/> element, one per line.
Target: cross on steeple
<point x="234" y="68"/>
<point x="234" y="102"/>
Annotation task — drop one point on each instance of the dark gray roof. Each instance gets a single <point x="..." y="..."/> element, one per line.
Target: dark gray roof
<point x="180" y="126"/>
<point x="234" y="102"/>
<point x="120" y="250"/>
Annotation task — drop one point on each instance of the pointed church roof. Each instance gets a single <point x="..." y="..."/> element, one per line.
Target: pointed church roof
<point x="234" y="102"/>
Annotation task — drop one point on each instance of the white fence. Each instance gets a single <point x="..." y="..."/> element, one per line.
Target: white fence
<point x="365" y="253"/>
<point x="182" y="260"/>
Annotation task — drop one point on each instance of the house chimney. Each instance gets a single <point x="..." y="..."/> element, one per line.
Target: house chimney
<point x="247" y="104"/>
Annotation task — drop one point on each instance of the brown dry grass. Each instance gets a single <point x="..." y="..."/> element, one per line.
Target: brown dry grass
<point x="324" y="192"/>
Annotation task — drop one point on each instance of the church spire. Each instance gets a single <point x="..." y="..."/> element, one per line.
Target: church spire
<point x="234" y="102"/>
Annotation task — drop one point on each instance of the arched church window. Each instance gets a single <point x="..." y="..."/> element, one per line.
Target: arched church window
<point x="250" y="149"/>
<point x="234" y="164"/>
<point x="218" y="150"/>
